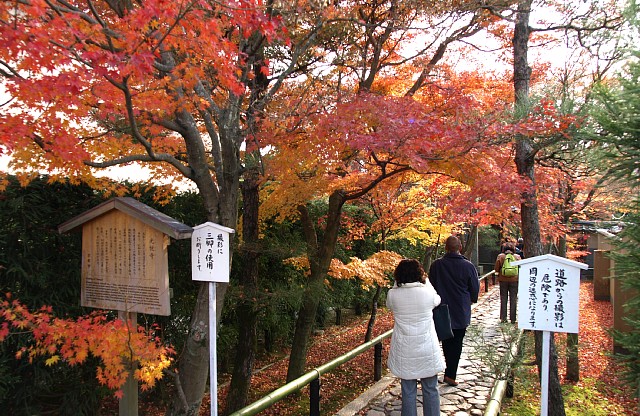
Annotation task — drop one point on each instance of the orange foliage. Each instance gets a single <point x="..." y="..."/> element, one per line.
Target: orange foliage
<point x="447" y="133"/>
<point x="71" y="342"/>
<point x="105" y="82"/>
<point x="457" y="131"/>
<point x="371" y="271"/>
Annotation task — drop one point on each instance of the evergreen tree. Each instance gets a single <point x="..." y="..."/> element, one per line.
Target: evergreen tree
<point x="617" y="118"/>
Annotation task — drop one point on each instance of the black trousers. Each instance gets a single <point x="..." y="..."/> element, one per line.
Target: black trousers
<point x="508" y="290"/>
<point x="452" y="348"/>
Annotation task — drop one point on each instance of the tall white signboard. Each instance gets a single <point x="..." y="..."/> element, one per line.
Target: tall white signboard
<point x="210" y="257"/>
<point x="210" y="249"/>
<point x="548" y="301"/>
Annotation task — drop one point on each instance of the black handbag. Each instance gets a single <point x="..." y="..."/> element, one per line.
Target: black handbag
<point x="442" y="321"/>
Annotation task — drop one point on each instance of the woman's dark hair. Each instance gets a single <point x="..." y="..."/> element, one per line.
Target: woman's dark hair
<point x="408" y="271"/>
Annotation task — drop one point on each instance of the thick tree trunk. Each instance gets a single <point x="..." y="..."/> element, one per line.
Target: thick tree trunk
<point x="469" y="250"/>
<point x="246" y="312"/>
<point x="250" y="250"/>
<point x="427" y="258"/>
<point x="573" y="362"/>
<point x="556" y="401"/>
<point x="221" y="204"/>
<point x="525" y="162"/>
<point x="193" y="366"/>
<point x="320" y="254"/>
<point x="304" y="326"/>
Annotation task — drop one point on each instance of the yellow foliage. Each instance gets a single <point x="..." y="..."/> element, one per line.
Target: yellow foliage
<point x="370" y="272"/>
<point x="52" y="360"/>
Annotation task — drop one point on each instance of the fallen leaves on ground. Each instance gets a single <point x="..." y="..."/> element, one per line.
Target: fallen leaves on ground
<point x="595" y="351"/>
<point x="338" y="387"/>
<point x="352" y="378"/>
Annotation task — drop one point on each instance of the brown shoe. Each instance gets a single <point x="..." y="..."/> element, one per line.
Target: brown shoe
<point x="450" y="381"/>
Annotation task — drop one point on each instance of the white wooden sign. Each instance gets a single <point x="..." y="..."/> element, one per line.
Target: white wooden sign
<point x="548" y="301"/>
<point x="549" y="293"/>
<point x="210" y="255"/>
<point x="210" y="252"/>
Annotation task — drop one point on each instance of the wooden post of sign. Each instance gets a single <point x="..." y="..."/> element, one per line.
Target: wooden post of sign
<point x="213" y="368"/>
<point x="128" y="405"/>
<point x="544" y="382"/>
<point x="210" y="257"/>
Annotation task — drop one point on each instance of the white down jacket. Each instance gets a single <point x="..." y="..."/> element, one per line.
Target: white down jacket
<point x="415" y="350"/>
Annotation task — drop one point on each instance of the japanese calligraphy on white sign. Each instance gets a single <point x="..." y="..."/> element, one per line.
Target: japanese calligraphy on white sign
<point x="549" y="293"/>
<point x="210" y="252"/>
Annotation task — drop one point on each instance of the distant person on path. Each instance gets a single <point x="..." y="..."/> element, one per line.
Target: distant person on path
<point x="520" y="248"/>
<point x="415" y="352"/>
<point x="456" y="280"/>
<point x="508" y="282"/>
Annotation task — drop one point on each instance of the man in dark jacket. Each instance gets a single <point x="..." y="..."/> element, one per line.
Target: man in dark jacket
<point x="456" y="280"/>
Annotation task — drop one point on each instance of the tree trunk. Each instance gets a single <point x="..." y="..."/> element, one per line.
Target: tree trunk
<point x="469" y="250"/>
<point x="556" y="401"/>
<point x="221" y="204"/>
<point x="525" y="162"/>
<point x="246" y="312"/>
<point x="374" y="312"/>
<point x="320" y="254"/>
<point x="304" y="326"/>
<point x="194" y="361"/>
<point x="573" y="360"/>
<point x="427" y="258"/>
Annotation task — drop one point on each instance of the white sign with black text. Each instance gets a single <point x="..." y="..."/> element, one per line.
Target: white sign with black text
<point x="549" y="293"/>
<point x="548" y="301"/>
<point x="210" y="257"/>
<point x="210" y="252"/>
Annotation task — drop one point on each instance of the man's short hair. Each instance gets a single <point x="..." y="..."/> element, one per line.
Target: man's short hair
<point x="452" y="244"/>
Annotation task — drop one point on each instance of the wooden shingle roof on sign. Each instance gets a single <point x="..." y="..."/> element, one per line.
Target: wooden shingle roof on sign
<point x="133" y="208"/>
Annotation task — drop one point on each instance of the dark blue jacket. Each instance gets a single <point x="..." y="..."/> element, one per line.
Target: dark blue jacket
<point x="456" y="280"/>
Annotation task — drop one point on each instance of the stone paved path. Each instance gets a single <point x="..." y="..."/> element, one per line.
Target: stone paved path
<point x="471" y="395"/>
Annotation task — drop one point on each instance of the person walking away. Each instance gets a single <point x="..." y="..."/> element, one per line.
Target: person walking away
<point x="415" y="352"/>
<point x="508" y="281"/>
<point x="519" y="248"/>
<point x="456" y="280"/>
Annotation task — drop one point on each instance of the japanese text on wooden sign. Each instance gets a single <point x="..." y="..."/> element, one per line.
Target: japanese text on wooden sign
<point x="548" y="296"/>
<point x="210" y="245"/>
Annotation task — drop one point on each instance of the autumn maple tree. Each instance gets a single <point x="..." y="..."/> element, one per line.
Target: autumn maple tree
<point x="91" y="85"/>
<point x="123" y="350"/>
<point x="329" y="100"/>
<point x="538" y="131"/>
<point x="363" y="143"/>
<point x="180" y="87"/>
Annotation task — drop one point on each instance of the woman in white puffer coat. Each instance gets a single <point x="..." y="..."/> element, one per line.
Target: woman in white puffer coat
<point x="415" y="352"/>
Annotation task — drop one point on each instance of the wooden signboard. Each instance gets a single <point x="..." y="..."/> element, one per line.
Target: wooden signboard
<point x="548" y="293"/>
<point x="124" y="256"/>
<point x="124" y="266"/>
